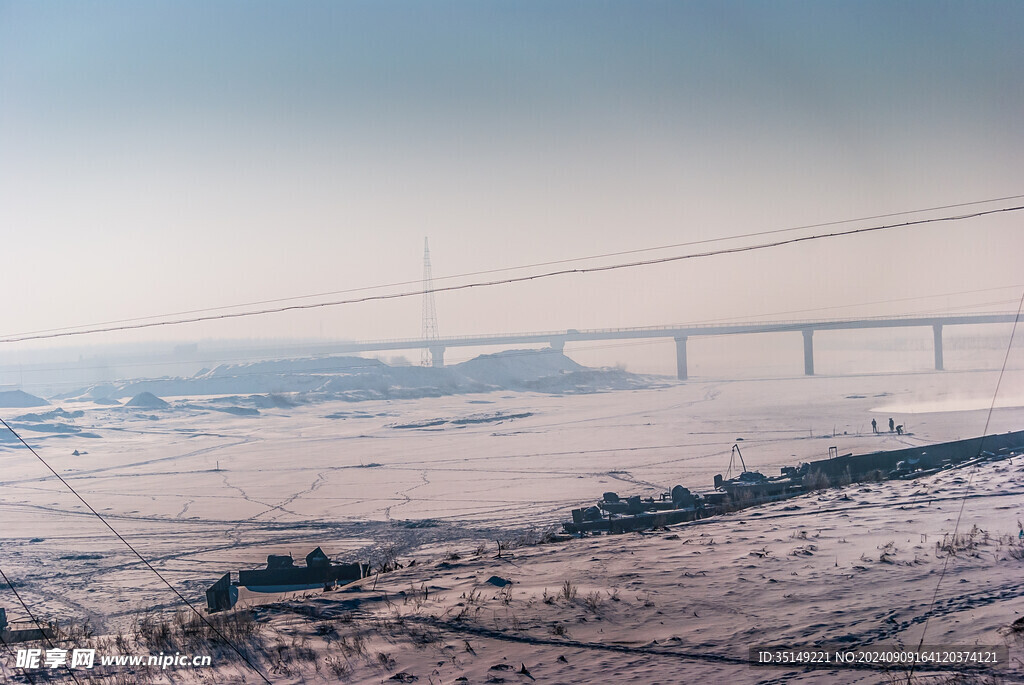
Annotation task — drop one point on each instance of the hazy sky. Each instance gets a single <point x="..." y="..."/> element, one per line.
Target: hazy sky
<point x="166" y="156"/>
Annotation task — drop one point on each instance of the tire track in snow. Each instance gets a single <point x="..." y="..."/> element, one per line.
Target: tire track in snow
<point x="280" y="507"/>
<point x="73" y="475"/>
<point x="405" y="496"/>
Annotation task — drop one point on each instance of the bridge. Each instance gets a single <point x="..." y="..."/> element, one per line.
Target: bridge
<point x="680" y="334"/>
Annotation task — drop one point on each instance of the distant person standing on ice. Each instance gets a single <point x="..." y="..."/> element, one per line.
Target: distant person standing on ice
<point x="874" y="426"/>
<point x="892" y="425"/>
<point x="899" y="429"/>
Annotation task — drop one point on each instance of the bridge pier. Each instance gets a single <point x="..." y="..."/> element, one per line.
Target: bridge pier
<point x="558" y="344"/>
<point x="437" y="357"/>
<point x="937" y="332"/>
<point x="681" y="372"/>
<point x="808" y="352"/>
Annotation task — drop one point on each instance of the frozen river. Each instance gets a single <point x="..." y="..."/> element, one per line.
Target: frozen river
<point x="201" y="492"/>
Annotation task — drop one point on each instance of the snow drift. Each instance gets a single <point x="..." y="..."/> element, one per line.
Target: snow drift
<point x="279" y="383"/>
<point x="20" y="398"/>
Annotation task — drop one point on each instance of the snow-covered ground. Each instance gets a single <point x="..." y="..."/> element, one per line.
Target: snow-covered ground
<point x="212" y="484"/>
<point x="849" y="568"/>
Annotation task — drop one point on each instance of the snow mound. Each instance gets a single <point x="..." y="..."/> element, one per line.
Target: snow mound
<point x="310" y="365"/>
<point x="273" y="401"/>
<point x="516" y="368"/>
<point x="284" y="383"/>
<point x="146" y="400"/>
<point x="19" y="398"/>
<point x="51" y="428"/>
<point x="594" y="380"/>
<point x="57" y="413"/>
<point x="238" y="411"/>
<point x="497" y="417"/>
<point x="92" y="393"/>
<point x="104" y="391"/>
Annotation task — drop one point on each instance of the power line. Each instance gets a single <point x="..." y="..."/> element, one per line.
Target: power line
<point x="519" y="279"/>
<point x="529" y="266"/>
<point x="577" y="347"/>
<point x="970" y="480"/>
<point x="426" y="291"/>
<point x="134" y="551"/>
<point x="863" y="304"/>
<point x="66" y="366"/>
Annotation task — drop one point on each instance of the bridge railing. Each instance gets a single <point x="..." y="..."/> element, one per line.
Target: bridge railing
<point x="767" y="326"/>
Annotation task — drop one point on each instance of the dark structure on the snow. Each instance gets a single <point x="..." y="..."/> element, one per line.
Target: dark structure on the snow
<point x="318" y="569"/>
<point x="282" y="574"/>
<point x="218" y="596"/>
<point x="615" y="515"/>
<point x="281" y="570"/>
<point x="28" y="633"/>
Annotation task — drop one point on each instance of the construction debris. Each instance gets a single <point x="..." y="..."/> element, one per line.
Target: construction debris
<point x="613" y="514"/>
<point x="27" y="632"/>
<point x="282" y="575"/>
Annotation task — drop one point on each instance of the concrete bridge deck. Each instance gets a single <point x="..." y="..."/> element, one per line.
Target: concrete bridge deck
<point x="680" y="334"/>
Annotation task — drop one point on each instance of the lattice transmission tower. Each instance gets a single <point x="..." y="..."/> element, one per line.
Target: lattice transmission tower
<point x="429" y="309"/>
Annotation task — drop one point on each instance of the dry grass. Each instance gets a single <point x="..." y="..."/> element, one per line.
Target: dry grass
<point x="593" y="601"/>
<point x="816" y="480"/>
<point x="742" y="500"/>
<point x="216" y="635"/>
<point x="385" y="559"/>
<point x="340" y="669"/>
<point x="959" y="544"/>
<point x="529" y="538"/>
<point x="876" y="476"/>
<point x="1014" y="545"/>
<point x="187" y="632"/>
<point x="845" y="478"/>
<point x="888" y="553"/>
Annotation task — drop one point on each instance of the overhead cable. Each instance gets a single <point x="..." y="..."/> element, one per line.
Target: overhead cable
<point x="518" y="279"/>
